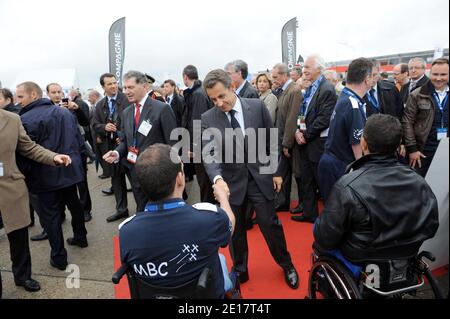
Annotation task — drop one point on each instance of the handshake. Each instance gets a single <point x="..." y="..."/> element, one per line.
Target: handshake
<point x="221" y="191"/>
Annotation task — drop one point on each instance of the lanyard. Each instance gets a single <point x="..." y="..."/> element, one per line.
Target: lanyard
<point x="150" y="208"/>
<point x="441" y="105"/>
<point x="304" y="109"/>
<point x="360" y="104"/>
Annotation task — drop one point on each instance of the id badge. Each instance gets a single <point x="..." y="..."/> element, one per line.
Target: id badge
<point x="441" y="133"/>
<point x="2" y="173"/>
<point x="132" y="155"/>
<point x="301" y="123"/>
<point x="145" y="128"/>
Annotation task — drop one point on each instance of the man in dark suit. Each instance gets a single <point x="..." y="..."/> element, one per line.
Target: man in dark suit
<point x="197" y="102"/>
<point x="175" y="100"/>
<point x="313" y="120"/>
<point x="106" y="124"/>
<point x="145" y="122"/>
<point x="235" y="120"/>
<point x="417" y="78"/>
<point x="383" y="97"/>
<point x="238" y="71"/>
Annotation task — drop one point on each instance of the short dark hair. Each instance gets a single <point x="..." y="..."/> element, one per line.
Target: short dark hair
<point x="106" y="75"/>
<point x="157" y="171"/>
<point x="404" y="68"/>
<point x="7" y="94"/>
<point x="216" y="76"/>
<point x="440" y="61"/>
<point x="383" y="133"/>
<point x="47" y="88"/>
<point x="358" y="70"/>
<point x="171" y="82"/>
<point x="191" y="72"/>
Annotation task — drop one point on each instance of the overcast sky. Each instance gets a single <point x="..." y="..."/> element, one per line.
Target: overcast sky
<point x="164" y="36"/>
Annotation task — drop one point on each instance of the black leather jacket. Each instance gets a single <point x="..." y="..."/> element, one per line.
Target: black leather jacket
<point x="380" y="210"/>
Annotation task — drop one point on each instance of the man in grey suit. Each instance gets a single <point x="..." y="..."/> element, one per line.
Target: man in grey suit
<point x="145" y="122"/>
<point x="248" y="178"/>
<point x="238" y="71"/>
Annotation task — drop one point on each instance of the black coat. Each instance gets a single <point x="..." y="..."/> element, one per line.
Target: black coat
<point x="248" y="91"/>
<point x="318" y="119"/>
<point x="177" y="104"/>
<point x="56" y="129"/>
<point x="13" y="108"/>
<point x="389" y="101"/>
<point x="101" y="117"/>
<point x="404" y="92"/>
<point x="382" y="209"/>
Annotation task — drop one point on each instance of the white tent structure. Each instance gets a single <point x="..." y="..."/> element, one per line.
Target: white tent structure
<point x="67" y="78"/>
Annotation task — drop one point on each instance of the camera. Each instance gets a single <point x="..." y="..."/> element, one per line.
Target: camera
<point x="64" y="102"/>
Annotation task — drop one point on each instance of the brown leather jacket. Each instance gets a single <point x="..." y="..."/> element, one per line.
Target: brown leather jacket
<point x="418" y="118"/>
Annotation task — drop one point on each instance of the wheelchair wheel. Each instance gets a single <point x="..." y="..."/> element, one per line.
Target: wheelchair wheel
<point x="329" y="279"/>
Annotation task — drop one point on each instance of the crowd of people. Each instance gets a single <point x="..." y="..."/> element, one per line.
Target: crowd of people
<point x="329" y="126"/>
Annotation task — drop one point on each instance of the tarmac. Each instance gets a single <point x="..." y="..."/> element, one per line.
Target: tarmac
<point x="94" y="263"/>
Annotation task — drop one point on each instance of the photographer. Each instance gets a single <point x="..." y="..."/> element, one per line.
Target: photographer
<point x="106" y="124"/>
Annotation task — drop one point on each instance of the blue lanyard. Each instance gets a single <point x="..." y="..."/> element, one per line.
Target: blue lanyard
<point x="360" y="104"/>
<point x="440" y="105"/>
<point x="373" y="101"/>
<point x="151" y="208"/>
<point x="309" y="96"/>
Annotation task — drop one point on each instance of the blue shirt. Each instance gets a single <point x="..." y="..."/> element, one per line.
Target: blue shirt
<point x="346" y="126"/>
<point x="170" y="247"/>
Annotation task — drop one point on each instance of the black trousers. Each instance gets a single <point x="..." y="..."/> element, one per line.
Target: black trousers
<point x="269" y="224"/>
<point x="206" y="193"/>
<point x="83" y="189"/>
<point x="50" y="208"/>
<point x="139" y="196"/>
<point x="329" y="171"/>
<point x="287" y="184"/>
<point x="310" y="183"/>
<point x="20" y="254"/>
<point x="119" y="185"/>
<point x="425" y="163"/>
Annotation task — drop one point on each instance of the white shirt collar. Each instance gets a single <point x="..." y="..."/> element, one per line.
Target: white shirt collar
<point x="415" y="81"/>
<point x="239" y="89"/>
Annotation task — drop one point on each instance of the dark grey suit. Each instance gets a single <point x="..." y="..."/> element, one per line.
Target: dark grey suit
<point x="163" y="121"/>
<point x="248" y="91"/>
<point x="247" y="184"/>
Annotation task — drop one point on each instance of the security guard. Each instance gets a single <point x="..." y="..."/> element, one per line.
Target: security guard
<point x="192" y="235"/>
<point x="152" y="93"/>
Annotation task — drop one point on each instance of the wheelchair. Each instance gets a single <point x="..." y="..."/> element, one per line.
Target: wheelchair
<point x="332" y="278"/>
<point x="201" y="287"/>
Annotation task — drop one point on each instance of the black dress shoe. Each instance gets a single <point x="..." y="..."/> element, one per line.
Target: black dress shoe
<point x="243" y="277"/>
<point x="298" y="209"/>
<point x="291" y="277"/>
<point x="39" y="237"/>
<point x="303" y="219"/>
<point x="282" y="208"/>
<point x="60" y="267"/>
<point x="72" y="241"/>
<point x="29" y="285"/>
<point x="108" y="191"/>
<point x="103" y="176"/>
<point x="116" y="216"/>
<point x="87" y="217"/>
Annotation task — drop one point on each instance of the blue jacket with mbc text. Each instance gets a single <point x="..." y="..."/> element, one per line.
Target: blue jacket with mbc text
<point x="56" y="129"/>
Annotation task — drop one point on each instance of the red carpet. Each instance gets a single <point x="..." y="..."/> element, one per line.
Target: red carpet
<point x="266" y="277"/>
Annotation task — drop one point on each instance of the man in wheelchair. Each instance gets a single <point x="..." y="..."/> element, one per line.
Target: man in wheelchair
<point x="377" y="216"/>
<point x="171" y="243"/>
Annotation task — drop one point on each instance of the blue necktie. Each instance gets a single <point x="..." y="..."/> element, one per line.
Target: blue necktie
<point x="234" y="121"/>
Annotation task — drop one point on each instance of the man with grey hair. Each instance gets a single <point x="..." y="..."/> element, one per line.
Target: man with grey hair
<point x="416" y="68"/>
<point x="238" y="71"/>
<point x="313" y="120"/>
<point x="289" y="100"/>
<point x="145" y="122"/>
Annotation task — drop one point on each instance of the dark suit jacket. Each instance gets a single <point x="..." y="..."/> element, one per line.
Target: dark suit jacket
<point x="248" y="91"/>
<point x="318" y="119"/>
<point x="235" y="174"/>
<point x="162" y="119"/>
<point x="389" y="100"/>
<point x="177" y="105"/>
<point x="404" y="92"/>
<point x="100" y="119"/>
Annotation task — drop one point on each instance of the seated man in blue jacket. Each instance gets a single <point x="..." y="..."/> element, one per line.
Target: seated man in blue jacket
<point x="381" y="209"/>
<point x="171" y="242"/>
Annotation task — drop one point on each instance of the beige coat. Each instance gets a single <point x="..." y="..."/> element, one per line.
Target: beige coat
<point x="14" y="206"/>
